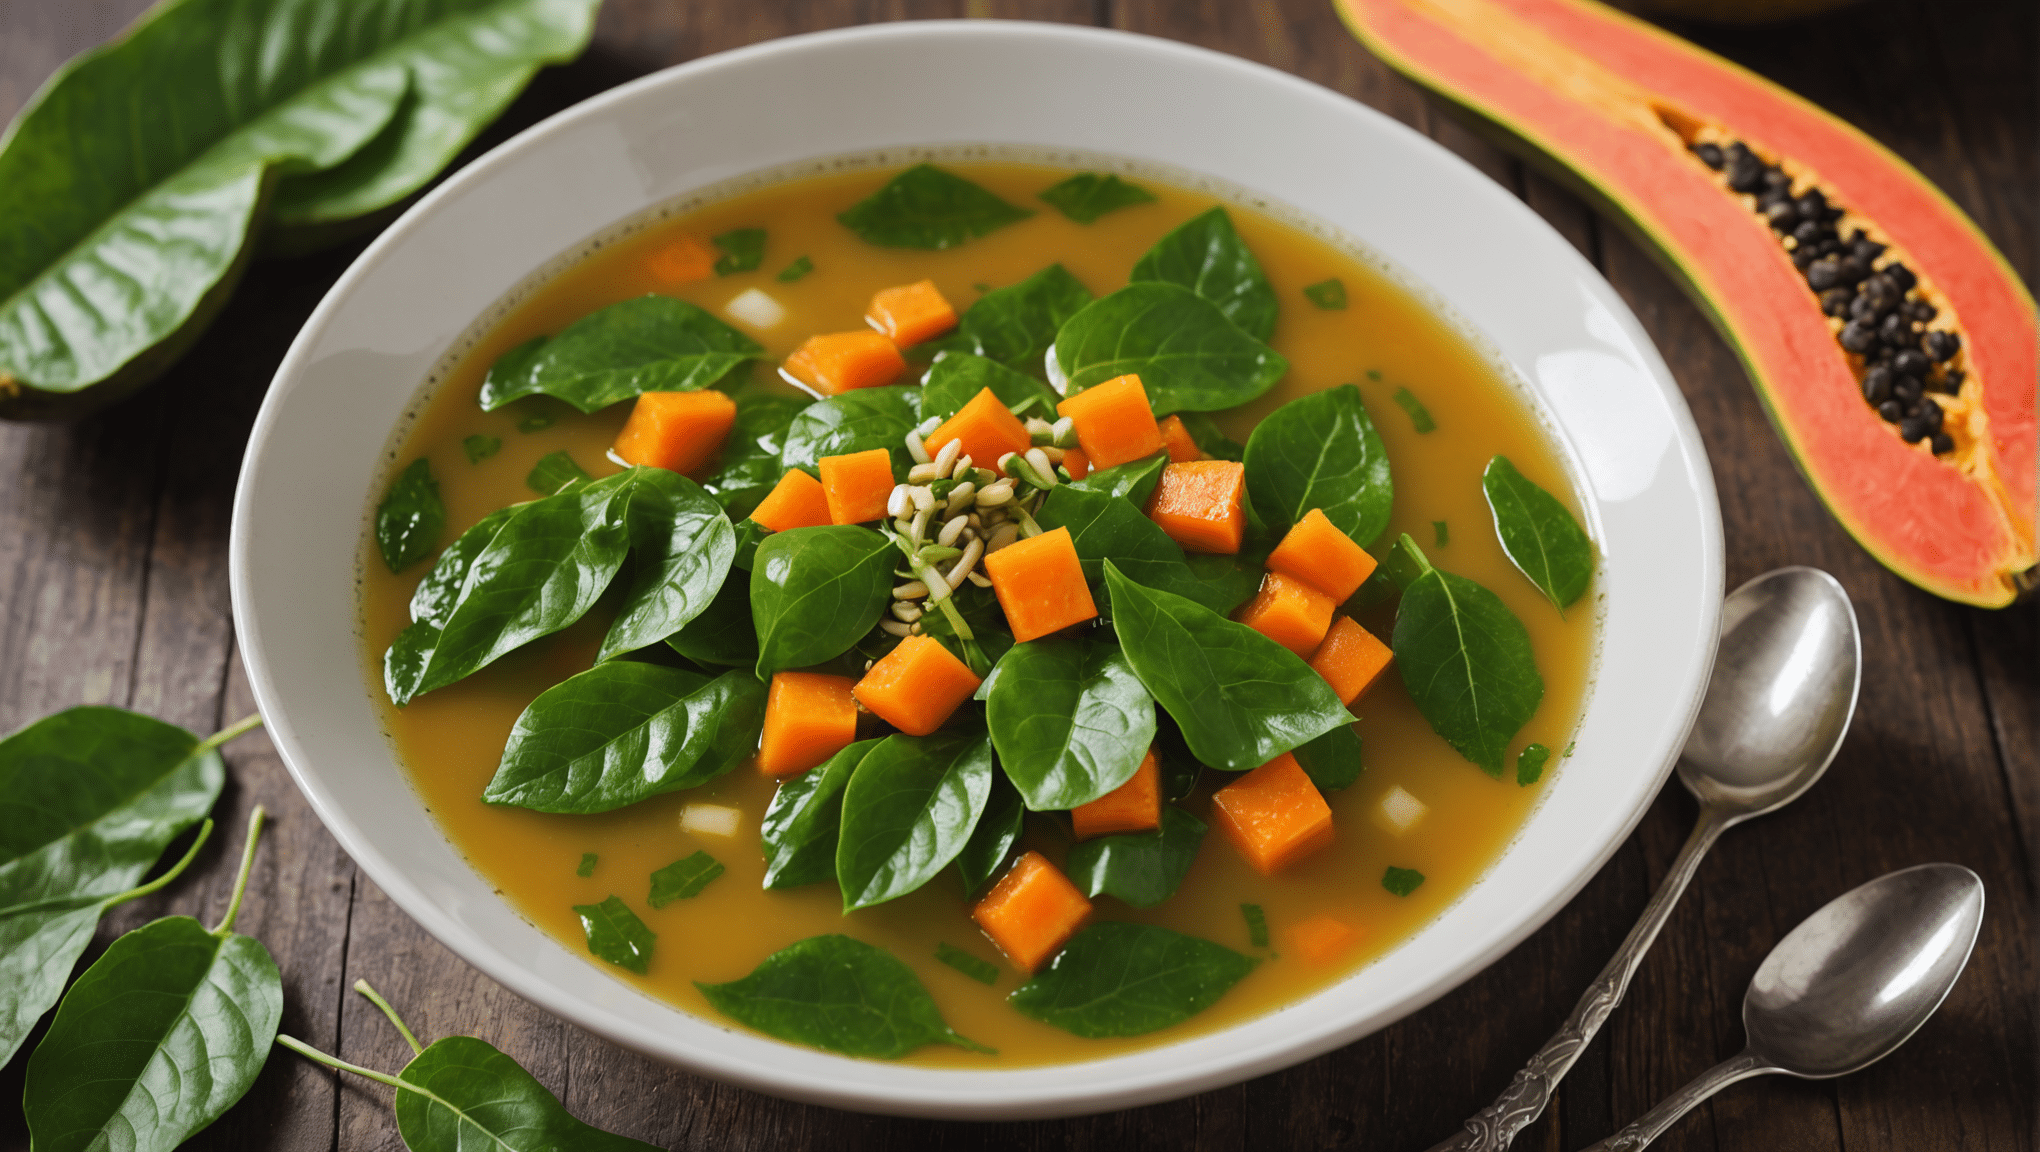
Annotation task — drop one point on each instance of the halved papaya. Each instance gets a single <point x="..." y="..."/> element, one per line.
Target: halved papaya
<point x="1892" y="345"/>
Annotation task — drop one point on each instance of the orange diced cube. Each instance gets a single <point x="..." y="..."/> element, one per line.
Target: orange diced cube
<point x="833" y="364"/>
<point x="1289" y="612"/>
<point x="857" y="486"/>
<point x="1177" y="439"/>
<point x="916" y="686"/>
<point x="1135" y="806"/>
<point x="1350" y="659"/>
<point x="809" y="717"/>
<point x="1202" y="505"/>
<point x="1322" y="939"/>
<point x="1076" y="462"/>
<point x="910" y="313"/>
<point x="1113" y="421"/>
<point x="1274" y="815"/>
<point x="1032" y="911"/>
<point x="1040" y="584"/>
<point x="687" y="258"/>
<point x="987" y="428"/>
<point x="1316" y="552"/>
<point x="677" y="431"/>
<point x="797" y="501"/>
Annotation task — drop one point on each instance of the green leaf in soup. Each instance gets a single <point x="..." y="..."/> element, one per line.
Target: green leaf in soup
<point x="1257" y="924"/>
<point x="1332" y="761"/>
<point x="1542" y="539"/>
<point x="1016" y="325"/>
<point x="750" y="453"/>
<point x="480" y="448"/>
<point x="802" y="822"/>
<point x="535" y="421"/>
<point x="907" y="811"/>
<point x="1420" y="416"/>
<point x="856" y="421"/>
<point x="411" y="517"/>
<point x="681" y="549"/>
<point x="649" y="344"/>
<point x="684" y="878"/>
<point x="1119" y="979"/>
<point x="1530" y="764"/>
<point x="1401" y="881"/>
<point x="1466" y="661"/>
<point x="926" y="207"/>
<point x="89" y="798"/>
<point x="1210" y="438"/>
<point x="1088" y="195"/>
<point x="956" y="378"/>
<point x="1328" y="295"/>
<point x="1135" y="480"/>
<point x="624" y="731"/>
<point x="1321" y="451"/>
<point x="981" y="970"/>
<point x="743" y="249"/>
<point x="462" y="1093"/>
<point x="1208" y="257"/>
<point x="1240" y="698"/>
<point x="433" y="600"/>
<point x="1069" y="719"/>
<point x="998" y="829"/>
<point x="616" y="934"/>
<point x="794" y="271"/>
<point x="1187" y="354"/>
<point x="587" y="866"/>
<point x="840" y="995"/>
<point x="815" y="591"/>
<point x="723" y="633"/>
<point x="554" y="472"/>
<point x="1141" y="868"/>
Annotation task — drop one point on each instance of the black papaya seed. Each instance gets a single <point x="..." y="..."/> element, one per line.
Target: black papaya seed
<point x="1856" y="335"/>
<point x="1779" y="215"/>
<point x="1911" y="430"/>
<point x="1812" y="205"/>
<point x="1895" y="331"/>
<point x="1891" y="411"/>
<point x="1910" y="362"/>
<point x="1919" y="311"/>
<point x="1865" y="250"/>
<point x="1953" y="380"/>
<point x="1943" y="443"/>
<point x="1941" y="345"/>
<point x="1930" y="415"/>
<point x="1906" y="390"/>
<point x="1745" y="173"/>
<point x="1709" y="154"/>
<point x="1865" y="307"/>
<point x="1877" y="385"/>
<point x="1836" y="301"/>
<point x="1853" y="270"/>
<point x="1901" y="276"/>
<point x="1807" y="232"/>
<point x="1824" y="274"/>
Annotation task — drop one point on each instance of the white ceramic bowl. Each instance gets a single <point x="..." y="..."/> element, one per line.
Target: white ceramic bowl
<point x="364" y="359"/>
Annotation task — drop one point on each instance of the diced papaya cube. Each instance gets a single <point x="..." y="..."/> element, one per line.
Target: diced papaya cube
<point x="857" y="486"/>
<point x="836" y="363"/>
<point x="1316" y="552"/>
<point x="1032" y="911"/>
<point x="677" y="431"/>
<point x="1040" y="583"/>
<point x="987" y="428"/>
<point x="809" y="717"/>
<point x="910" y="313"/>
<point x="916" y="686"/>
<point x="797" y="501"/>
<point x="1177" y="439"/>
<point x="1322" y="939"/>
<point x="1202" y="505"/>
<point x="1113" y="421"/>
<point x="685" y="259"/>
<point x="1274" y="815"/>
<point x="1135" y="806"/>
<point x="1289" y="612"/>
<point x="1078" y="464"/>
<point x="1350" y="659"/>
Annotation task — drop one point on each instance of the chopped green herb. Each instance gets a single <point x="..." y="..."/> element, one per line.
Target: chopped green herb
<point x="411" y="517"/>
<point x="982" y="286"/>
<point x="616" y="934"/>
<point x="981" y="970"/>
<point x="1257" y="924"/>
<point x="1419" y="415"/>
<point x="926" y="207"/>
<point x="536" y="422"/>
<point x="1401" y="881"/>
<point x="1087" y="196"/>
<point x="480" y="448"/>
<point x="1329" y="295"/>
<point x="587" y="867"/>
<point x="684" y="879"/>
<point x="1530" y="763"/>
<point x="554" y="471"/>
<point x="1441" y="532"/>
<point x="1374" y="373"/>
<point x="796" y="270"/>
<point x="1567" y="754"/>
<point x="742" y="250"/>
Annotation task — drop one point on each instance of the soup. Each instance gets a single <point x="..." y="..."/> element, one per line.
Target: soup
<point x="1415" y="830"/>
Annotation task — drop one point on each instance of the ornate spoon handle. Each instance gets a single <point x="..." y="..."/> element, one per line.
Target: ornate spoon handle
<point x="1653" y="1123"/>
<point x="1492" y="1128"/>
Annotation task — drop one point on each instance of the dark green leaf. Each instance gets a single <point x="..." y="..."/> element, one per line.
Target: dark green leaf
<point x="839" y="995"/>
<point x="469" y="1096"/>
<point x="1180" y="770"/>
<point x="1329" y="295"/>
<point x="1135" y="480"/>
<point x="1106" y="527"/>
<point x="794" y="271"/>
<point x="1441" y="534"/>
<point x="1187" y="354"/>
<point x="1016" y="325"/>
<point x="1404" y="564"/>
<point x="989" y="642"/>
<point x="616" y="934"/>
<point x="742" y="251"/>
<point x="1209" y="438"/>
<point x="723" y="633"/>
<point x="802" y="822"/>
<point x="1141" y="868"/>
<point x="856" y="421"/>
<point x="1467" y="663"/>
<point x="993" y="838"/>
<point x="554" y="471"/>
<point x="535" y="422"/>
<point x="1321" y="451"/>
<point x="815" y="591"/>
<point x="926" y="207"/>
<point x="907" y="811"/>
<point x="981" y="970"/>
<point x="1257" y="924"/>
<point x="1240" y="698"/>
<point x="411" y="517"/>
<point x="750" y="453"/>
<point x="681" y="549"/>
<point x="1540" y="536"/>
<point x="684" y="878"/>
<point x="588" y="862"/>
<point x="1087" y="196"/>
<point x="1208" y="257"/>
<point x="649" y="344"/>
<point x="1530" y="764"/>
<point x="1223" y="583"/>
<point x="1117" y="979"/>
<point x="480" y="448"/>
<point x="956" y="378"/>
<point x="750" y="534"/>
<point x="1069" y="719"/>
<point x="1401" y="881"/>
<point x="1420" y="416"/>
<point x="433" y="600"/>
<point x="1332" y="761"/>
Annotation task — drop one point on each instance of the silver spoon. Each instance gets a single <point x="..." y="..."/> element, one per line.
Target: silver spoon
<point x="1845" y="988"/>
<point x="1777" y="706"/>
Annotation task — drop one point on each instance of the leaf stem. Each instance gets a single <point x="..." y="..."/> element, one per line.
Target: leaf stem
<point x="375" y="998"/>
<point x="237" y="729"/>
<point x="176" y="870"/>
<point x="310" y="1053"/>
<point x="226" y="924"/>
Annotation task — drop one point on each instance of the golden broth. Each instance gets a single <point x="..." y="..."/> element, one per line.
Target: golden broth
<point x="451" y="739"/>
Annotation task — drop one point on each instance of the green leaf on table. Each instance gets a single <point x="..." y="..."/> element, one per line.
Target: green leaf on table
<point x="794" y="271"/>
<point x="649" y="344"/>
<point x="1185" y="351"/>
<point x="840" y="995"/>
<point x="1530" y="764"/>
<point x="411" y="517"/>
<point x="1208" y="257"/>
<point x="1141" y="868"/>
<point x="998" y="829"/>
<point x="1240" y="698"/>
<point x="1069" y="719"/>
<point x="625" y="731"/>
<point x="977" y="968"/>
<point x="1329" y="295"/>
<point x="553" y="472"/>
<point x="684" y="878"/>
<point x="1321" y="451"/>
<point x="1119" y="979"/>
<point x="1088" y="195"/>
<point x="587" y="865"/>
<point x="816" y="591"/>
<point x="956" y="378"/>
<point x="480" y="448"/>
<point x="856" y="421"/>
<point x="927" y="207"/>
<point x="801" y="824"/>
<point x="1466" y="661"/>
<point x="1332" y="761"/>
<point x="1257" y="924"/>
<point x="907" y="812"/>
<point x="1401" y="881"/>
<point x="1135" y="480"/>
<point x="723" y="633"/>
<point x="749" y="465"/>
<point x="1539" y="534"/>
<point x="1420" y="416"/>
<point x="1016" y="325"/>
<point x="1210" y="439"/>
<point x="681" y="550"/>
<point x="743" y="249"/>
<point x="462" y="1093"/>
<point x="616" y="934"/>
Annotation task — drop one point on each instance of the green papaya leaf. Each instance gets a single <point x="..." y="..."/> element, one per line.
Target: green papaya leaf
<point x="433" y="600"/>
<point x="816" y="591"/>
<point x="681" y="550"/>
<point x="1135" y="479"/>
<point x="1210" y="439"/>
<point x="411" y="517"/>
<point x="1104" y="527"/>
<point x="554" y="472"/>
<point x="998" y="829"/>
<point x="1088" y="195"/>
<point x="1332" y="761"/>
<point x="1185" y="351"/>
<point x="684" y="878"/>
<point x="1321" y="451"/>
<point x="927" y="207"/>
<point x="1541" y="537"/>
<point x="801" y="823"/>
<point x="1016" y="325"/>
<point x="856" y="421"/>
<point x="615" y="934"/>
<point x="722" y="634"/>
<point x="908" y="810"/>
<point x="743" y="249"/>
<point x="1208" y="257"/>
<point x="1467" y="662"/>
<point x="977" y="968"/>
<point x="649" y="344"/>
<point x="840" y="995"/>
<point x="1141" y="868"/>
<point x="1069" y="719"/>
<point x="956" y="378"/>
<point x="1119" y="979"/>
<point x="1328" y="295"/>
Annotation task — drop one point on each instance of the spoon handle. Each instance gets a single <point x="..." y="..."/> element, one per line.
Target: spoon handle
<point x="1492" y="1128"/>
<point x="1652" y="1124"/>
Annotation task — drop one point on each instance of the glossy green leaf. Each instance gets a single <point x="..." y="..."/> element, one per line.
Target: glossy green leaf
<point x="1118" y="979"/>
<point x="554" y="472"/>
<point x="956" y="378"/>
<point x="649" y="344"/>
<point x="1401" y="881"/>
<point x="1069" y="719"/>
<point x="1134" y="480"/>
<point x="840" y="995"/>
<point x="908" y="810"/>
<point x="989" y="640"/>
<point x="794" y="271"/>
<point x="1441" y="533"/>
<point x="816" y="591"/>
<point x="856" y="421"/>
<point x="1240" y="698"/>
<point x="1016" y="325"/>
<point x="802" y="822"/>
<point x="750" y="534"/>
<point x="1088" y="195"/>
<point x="1104" y="527"/>
<point x="1257" y="924"/>
<point x="1210" y="438"/>
<point x="749" y="464"/>
<point x="743" y="249"/>
<point x="1539" y="534"/>
<point x="1329" y="295"/>
<point x="1466" y="661"/>
<point x="981" y="970"/>
<point x="587" y="865"/>
<point x="927" y="207"/>
<point x="681" y="550"/>
<point x="616" y="934"/>
<point x="1420" y="416"/>
<point x="722" y="634"/>
<point x="684" y="878"/>
<point x="480" y="448"/>
<point x="1332" y="761"/>
<point x="465" y="1096"/>
<point x="411" y="517"/>
<point x="1321" y="451"/>
<point x="1180" y="770"/>
<point x="1185" y="351"/>
<point x="624" y="731"/>
<point x="1208" y="257"/>
<point x="1141" y="868"/>
<point x="1530" y="764"/>
<point x="998" y="829"/>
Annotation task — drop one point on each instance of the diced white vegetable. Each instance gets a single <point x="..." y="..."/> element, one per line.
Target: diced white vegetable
<point x="710" y="820"/>
<point x="1399" y="811"/>
<point x="756" y="308"/>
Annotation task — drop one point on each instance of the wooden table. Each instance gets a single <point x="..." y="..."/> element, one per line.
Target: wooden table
<point x="113" y="589"/>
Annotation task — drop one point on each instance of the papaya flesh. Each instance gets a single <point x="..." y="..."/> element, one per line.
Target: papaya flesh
<point x="1696" y="155"/>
